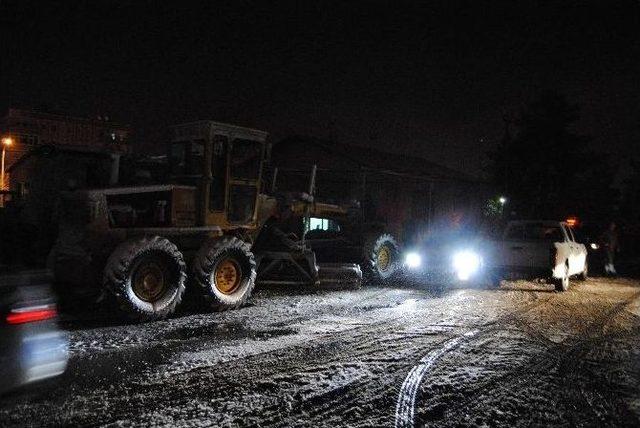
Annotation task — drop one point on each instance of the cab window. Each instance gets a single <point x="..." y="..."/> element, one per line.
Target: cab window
<point x="322" y="228"/>
<point x="245" y="159"/>
<point x="323" y="224"/>
<point x="178" y="158"/>
<point x="218" y="188"/>
<point x="187" y="157"/>
<point x="569" y="232"/>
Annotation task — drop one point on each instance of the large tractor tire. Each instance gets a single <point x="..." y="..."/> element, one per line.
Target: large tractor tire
<point x="225" y="272"/>
<point x="381" y="258"/>
<point x="147" y="276"/>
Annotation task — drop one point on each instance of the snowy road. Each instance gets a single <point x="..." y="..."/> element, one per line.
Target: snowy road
<point x="519" y="356"/>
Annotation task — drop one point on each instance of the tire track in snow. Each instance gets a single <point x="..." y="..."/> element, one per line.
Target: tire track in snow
<point x="405" y="408"/>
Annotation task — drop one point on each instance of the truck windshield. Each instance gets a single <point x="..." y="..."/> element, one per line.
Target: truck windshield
<point x="245" y="159"/>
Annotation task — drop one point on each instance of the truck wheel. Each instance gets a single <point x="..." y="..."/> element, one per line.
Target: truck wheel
<point x="562" y="284"/>
<point x="147" y="277"/>
<point x="381" y="258"/>
<point x="225" y="271"/>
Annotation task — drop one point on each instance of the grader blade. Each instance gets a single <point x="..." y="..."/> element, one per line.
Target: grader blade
<point x="345" y="274"/>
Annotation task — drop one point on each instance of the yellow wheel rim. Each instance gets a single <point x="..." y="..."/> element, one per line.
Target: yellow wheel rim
<point x="384" y="258"/>
<point x="149" y="282"/>
<point x="227" y="276"/>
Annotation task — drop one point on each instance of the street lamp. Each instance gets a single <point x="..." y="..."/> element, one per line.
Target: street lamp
<point x="6" y="142"/>
<point x="502" y="200"/>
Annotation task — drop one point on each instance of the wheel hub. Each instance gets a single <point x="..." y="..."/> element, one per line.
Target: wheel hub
<point x="384" y="258"/>
<point x="149" y="282"/>
<point x="227" y="276"/>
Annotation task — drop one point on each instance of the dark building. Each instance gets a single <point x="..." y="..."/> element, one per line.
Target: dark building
<point x="50" y="153"/>
<point x="29" y="129"/>
<point x="412" y="195"/>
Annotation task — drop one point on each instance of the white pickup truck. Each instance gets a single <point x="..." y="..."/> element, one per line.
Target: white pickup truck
<point x="538" y="249"/>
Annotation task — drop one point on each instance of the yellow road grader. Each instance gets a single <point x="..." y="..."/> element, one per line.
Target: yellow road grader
<point x="212" y="228"/>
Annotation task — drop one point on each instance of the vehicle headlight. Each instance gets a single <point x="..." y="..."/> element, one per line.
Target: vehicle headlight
<point x="412" y="260"/>
<point x="466" y="263"/>
<point x="594" y="246"/>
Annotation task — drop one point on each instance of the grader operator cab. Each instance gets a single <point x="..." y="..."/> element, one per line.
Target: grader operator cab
<point x="211" y="229"/>
<point x="224" y="163"/>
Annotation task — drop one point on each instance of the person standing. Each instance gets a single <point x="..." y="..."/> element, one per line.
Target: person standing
<point x="612" y="245"/>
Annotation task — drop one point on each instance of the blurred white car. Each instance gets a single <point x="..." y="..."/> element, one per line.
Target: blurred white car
<point x="32" y="347"/>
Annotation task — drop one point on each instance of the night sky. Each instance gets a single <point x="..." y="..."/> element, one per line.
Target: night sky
<point x="432" y="78"/>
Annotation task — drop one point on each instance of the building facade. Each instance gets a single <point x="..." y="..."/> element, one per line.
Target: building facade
<point x="29" y="130"/>
<point x="50" y="153"/>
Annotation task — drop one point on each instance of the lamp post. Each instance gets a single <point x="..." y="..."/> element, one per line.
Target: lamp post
<point x="6" y="142"/>
<point x="502" y="200"/>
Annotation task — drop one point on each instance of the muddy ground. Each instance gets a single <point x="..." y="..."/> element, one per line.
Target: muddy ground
<point x="520" y="355"/>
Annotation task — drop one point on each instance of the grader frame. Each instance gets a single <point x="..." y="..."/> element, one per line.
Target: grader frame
<point x="136" y="242"/>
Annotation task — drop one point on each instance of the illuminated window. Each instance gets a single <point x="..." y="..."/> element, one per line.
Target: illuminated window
<point x="323" y="224"/>
<point x="318" y="223"/>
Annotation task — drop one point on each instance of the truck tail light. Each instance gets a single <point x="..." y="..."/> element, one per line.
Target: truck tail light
<point x="31" y="314"/>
